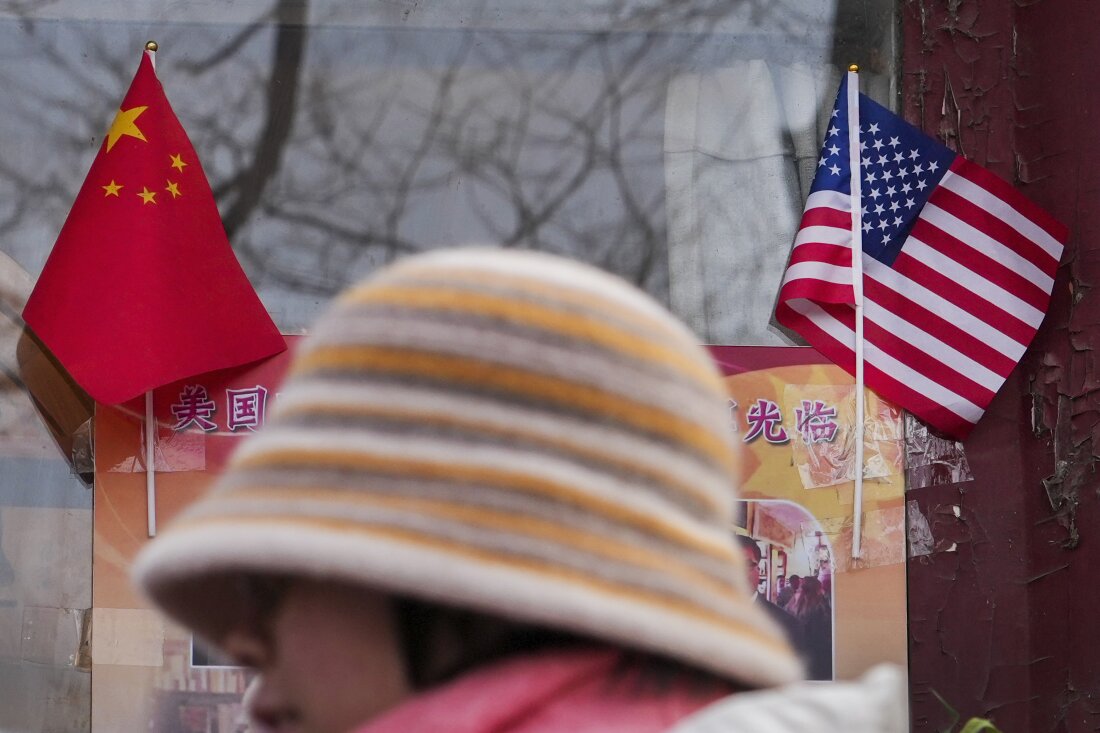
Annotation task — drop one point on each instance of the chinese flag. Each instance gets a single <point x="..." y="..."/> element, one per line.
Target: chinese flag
<point x="141" y="288"/>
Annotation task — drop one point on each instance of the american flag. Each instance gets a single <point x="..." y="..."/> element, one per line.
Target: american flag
<point x="957" y="269"/>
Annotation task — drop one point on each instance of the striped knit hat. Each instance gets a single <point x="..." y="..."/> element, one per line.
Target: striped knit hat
<point x="507" y="432"/>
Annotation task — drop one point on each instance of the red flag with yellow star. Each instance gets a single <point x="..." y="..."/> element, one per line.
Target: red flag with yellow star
<point x="142" y="288"/>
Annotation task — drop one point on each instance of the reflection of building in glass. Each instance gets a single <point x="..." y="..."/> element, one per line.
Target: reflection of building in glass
<point x="790" y="565"/>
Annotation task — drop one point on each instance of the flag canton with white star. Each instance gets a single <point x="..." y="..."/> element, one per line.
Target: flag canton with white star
<point x="899" y="168"/>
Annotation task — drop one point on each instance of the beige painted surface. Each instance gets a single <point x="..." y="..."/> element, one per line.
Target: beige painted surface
<point x="51" y="552"/>
<point x="127" y="637"/>
<point x="876" y="596"/>
<point x="124" y="702"/>
<point x="51" y="635"/>
<point x="41" y="699"/>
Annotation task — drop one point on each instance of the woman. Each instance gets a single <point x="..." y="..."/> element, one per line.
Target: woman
<point x="493" y="495"/>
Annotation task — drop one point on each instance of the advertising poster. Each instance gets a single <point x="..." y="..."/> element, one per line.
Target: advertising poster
<point x="793" y="414"/>
<point x="148" y="674"/>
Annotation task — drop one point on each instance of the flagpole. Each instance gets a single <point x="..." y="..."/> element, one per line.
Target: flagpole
<point x="150" y="472"/>
<point x="150" y="421"/>
<point x="857" y="288"/>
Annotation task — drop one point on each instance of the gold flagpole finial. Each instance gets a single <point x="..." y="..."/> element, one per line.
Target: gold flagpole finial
<point x="151" y="46"/>
<point x="854" y="68"/>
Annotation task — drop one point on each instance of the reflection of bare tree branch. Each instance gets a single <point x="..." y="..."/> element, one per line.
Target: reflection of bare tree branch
<point x="392" y="140"/>
<point x="549" y="141"/>
<point x="637" y="214"/>
<point x="229" y="49"/>
<point x="436" y="117"/>
<point x="281" y="98"/>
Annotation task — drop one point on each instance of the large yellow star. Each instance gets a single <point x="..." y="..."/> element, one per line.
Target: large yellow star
<point x="147" y="196"/>
<point x="112" y="189"/>
<point x="177" y="162"/>
<point x="174" y="189"/>
<point x="124" y="125"/>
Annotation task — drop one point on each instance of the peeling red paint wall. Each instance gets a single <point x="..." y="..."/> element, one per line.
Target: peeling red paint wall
<point x="1005" y="626"/>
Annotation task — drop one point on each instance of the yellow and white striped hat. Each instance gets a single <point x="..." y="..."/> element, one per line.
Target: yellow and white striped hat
<point x="509" y="432"/>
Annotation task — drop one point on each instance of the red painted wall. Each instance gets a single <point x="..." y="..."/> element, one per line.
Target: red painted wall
<point x="1006" y="626"/>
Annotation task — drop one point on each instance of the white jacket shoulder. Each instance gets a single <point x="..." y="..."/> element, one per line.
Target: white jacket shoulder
<point x="876" y="703"/>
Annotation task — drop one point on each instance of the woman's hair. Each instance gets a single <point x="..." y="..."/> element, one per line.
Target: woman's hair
<point x="441" y="643"/>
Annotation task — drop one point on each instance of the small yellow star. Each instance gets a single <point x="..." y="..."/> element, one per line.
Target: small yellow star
<point x="147" y="196"/>
<point x="124" y="125"/>
<point x="112" y="188"/>
<point x="177" y="163"/>
<point x="174" y="189"/>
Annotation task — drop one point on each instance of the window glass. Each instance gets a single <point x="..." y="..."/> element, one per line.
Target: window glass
<point x="669" y="142"/>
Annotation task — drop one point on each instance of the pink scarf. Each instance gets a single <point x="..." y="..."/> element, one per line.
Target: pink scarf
<point x="551" y="692"/>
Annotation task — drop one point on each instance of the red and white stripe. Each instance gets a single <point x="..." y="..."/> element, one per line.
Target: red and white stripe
<point x="946" y="324"/>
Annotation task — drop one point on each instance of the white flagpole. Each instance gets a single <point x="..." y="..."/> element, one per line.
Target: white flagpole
<point x="150" y="419"/>
<point x="857" y="287"/>
<point x="150" y="472"/>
